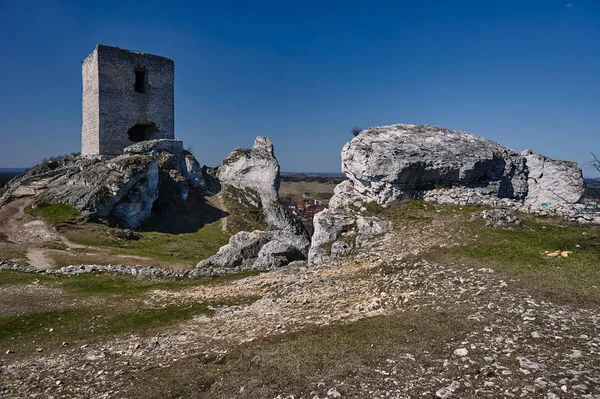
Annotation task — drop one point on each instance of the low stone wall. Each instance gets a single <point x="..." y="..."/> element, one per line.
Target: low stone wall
<point x="139" y="271"/>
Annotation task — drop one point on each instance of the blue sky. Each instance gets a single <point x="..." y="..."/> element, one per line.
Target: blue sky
<point x="522" y="73"/>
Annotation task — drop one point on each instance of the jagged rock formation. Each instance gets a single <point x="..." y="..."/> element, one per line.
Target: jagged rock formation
<point x="156" y="177"/>
<point x="249" y="181"/>
<point x="446" y="166"/>
<point x="121" y="189"/>
<point x="383" y="163"/>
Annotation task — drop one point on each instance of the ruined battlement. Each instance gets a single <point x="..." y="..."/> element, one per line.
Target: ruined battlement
<point x="128" y="97"/>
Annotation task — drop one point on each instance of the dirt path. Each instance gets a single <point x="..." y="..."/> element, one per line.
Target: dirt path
<point x="21" y="229"/>
<point x="38" y="258"/>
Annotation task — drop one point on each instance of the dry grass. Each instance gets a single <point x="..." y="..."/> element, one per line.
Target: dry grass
<point x="90" y="308"/>
<point x="296" y="362"/>
<point x="315" y="189"/>
<point x="156" y="248"/>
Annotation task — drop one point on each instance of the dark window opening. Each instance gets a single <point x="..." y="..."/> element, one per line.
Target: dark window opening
<point x="141" y="78"/>
<point x="142" y="132"/>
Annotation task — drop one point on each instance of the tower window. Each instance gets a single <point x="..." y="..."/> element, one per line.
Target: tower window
<point x="141" y="79"/>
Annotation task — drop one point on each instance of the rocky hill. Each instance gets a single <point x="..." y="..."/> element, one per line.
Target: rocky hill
<point x="158" y="179"/>
<point x="445" y="269"/>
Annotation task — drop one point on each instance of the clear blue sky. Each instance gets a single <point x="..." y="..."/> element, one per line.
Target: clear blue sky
<point x="523" y="73"/>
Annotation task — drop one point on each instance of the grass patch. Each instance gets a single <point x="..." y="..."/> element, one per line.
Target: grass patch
<point x="54" y="213"/>
<point x="295" y="362"/>
<point x="243" y="215"/>
<point x="8" y="277"/>
<point x="520" y="253"/>
<point x="418" y="210"/>
<point x="86" y="325"/>
<point x="104" y="284"/>
<point x="185" y="248"/>
<point x="58" y="246"/>
<point x="12" y="251"/>
<point x="91" y="307"/>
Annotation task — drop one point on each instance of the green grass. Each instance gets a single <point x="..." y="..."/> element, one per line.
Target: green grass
<point x="125" y="286"/>
<point x="87" y="325"/>
<point x="54" y="213"/>
<point x="186" y="248"/>
<point x="520" y="253"/>
<point x="111" y="285"/>
<point x="12" y="251"/>
<point x="91" y="307"/>
<point x="418" y="210"/>
<point x="8" y="277"/>
<point x="243" y="216"/>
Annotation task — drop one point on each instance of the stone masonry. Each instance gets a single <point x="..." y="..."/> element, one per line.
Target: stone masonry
<point x="128" y="97"/>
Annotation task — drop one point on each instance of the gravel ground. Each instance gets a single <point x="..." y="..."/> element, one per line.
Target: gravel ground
<point x="511" y="344"/>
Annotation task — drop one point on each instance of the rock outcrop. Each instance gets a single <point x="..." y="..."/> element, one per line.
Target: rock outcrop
<point x="121" y="189"/>
<point x="383" y="163"/>
<point x="441" y="165"/>
<point x="249" y="180"/>
<point x="159" y="178"/>
<point x="338" y="231"/>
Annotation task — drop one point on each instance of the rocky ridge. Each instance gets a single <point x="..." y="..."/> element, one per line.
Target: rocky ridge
<point x="151" y="177"/>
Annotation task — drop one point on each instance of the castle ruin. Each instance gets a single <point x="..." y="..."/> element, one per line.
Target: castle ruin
<point x="128" y="97"/>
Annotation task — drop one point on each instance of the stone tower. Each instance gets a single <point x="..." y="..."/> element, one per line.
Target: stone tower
<point x="127" y="97"/>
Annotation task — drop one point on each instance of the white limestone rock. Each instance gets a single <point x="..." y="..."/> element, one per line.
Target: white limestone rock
<point x="372" y="225"/>
<point x="242" y="246"/>
<point x="381" y="162"/>
<point x="553" y="182"/>
<point x="122" y="189"/>
<point x="329" y="225"/>
<point x="385" y="163"/>
<point x="252" y="177"/>
<point x="256" y="168"/>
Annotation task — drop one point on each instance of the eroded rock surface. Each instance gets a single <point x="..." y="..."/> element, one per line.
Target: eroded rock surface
<point x="445" y="166"/>
<point x="121" y="189"/>
<point x="250" y="178"/>
<point x="383" y="163"/>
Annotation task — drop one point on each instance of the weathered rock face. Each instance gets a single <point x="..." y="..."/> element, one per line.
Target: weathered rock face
<point x="383" y="163"/>
<point x="338" y="231"/>
<point x="249" y="181"/>
<point x="255" y="169"/>
<point x="441" y="165"/>
<point x="122" y="189"/>
<point x="552" y="182"/>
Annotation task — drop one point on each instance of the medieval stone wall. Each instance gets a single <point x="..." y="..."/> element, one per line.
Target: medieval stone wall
<point x="114" y="101"/>
<point x="90" y="130"/>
